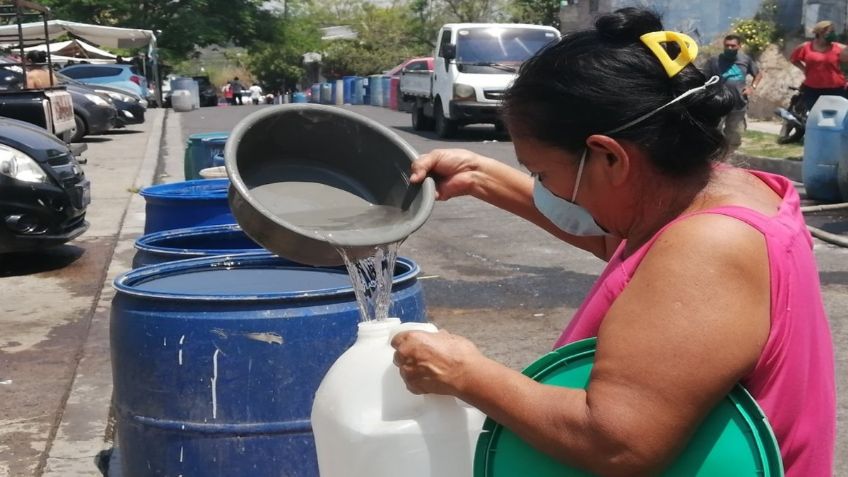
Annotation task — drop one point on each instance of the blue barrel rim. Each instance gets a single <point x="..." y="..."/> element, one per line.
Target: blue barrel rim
<point x="125" y="282"/>
<point x="145" y="242"/>
<point x="196" y="137"/>
<point x="215" y="189"/>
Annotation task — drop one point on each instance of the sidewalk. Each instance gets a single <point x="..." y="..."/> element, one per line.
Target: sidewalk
<point x="771" y="127"/>
<point x="85" y="429"/>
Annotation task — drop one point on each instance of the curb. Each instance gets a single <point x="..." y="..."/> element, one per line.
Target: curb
<point x="785" y="167"/>
<point x="85" y="428"/>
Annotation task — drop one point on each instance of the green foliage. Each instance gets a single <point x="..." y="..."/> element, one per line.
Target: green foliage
<point x="756" y="34"/>
<point x="539" y="12"/>
<point x="383" y="41"/>
<point x="183" y="24"/>
<point x="762" y="30"/>
<point x="279" y="64"/>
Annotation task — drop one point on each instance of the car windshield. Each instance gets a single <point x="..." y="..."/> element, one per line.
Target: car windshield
<point x="494" y="46"/>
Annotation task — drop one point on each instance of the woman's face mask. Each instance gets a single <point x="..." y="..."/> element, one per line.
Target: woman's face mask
<point x="566" y="215"/>
<point x="830" y="36"/>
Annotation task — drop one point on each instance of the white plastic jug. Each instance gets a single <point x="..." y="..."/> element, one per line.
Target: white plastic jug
<point x="367" y="424"/>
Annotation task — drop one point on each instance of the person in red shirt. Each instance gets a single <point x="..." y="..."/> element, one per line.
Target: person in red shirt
<point x="819" y="59"/>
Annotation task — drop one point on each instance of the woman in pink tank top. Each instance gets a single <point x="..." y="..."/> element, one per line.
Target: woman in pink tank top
<point x="711" y="279"/>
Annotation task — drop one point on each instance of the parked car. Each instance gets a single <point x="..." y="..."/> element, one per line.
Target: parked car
<point x="208" y="93"/>
<point x="122" y="76"/>
<point x="131" y="107"/>
<point x="94" y="113"/>
<point x="43" y="190"/>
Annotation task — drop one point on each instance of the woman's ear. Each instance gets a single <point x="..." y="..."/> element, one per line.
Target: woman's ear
<point x="618" y="166"/>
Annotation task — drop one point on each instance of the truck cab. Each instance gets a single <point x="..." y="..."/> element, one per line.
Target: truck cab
<point x="474" y="64"/>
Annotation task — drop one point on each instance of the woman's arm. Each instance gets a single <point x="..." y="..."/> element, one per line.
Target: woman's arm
<point x="690" y="325"/>
<point x="460" y="172"/>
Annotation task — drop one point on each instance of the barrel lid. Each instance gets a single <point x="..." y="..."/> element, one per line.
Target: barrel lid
<point x="201" y="189"/>
<point x="180" y="280"/>
<point x="208" y="135"/>
<point x="735" y="438"/>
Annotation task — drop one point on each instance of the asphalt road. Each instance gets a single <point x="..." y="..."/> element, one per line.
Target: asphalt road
<point x="510" y="287"/>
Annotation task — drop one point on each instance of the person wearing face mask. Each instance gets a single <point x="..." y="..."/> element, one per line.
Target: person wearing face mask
<point x="734" y="66"/>
<point x="820" y="61"/>
<point x="711" y="278"/>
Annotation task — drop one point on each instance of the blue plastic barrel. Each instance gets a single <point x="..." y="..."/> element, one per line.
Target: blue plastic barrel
<point x="376" y="83"/>
<point x="203" y="150"/>
<point x="216" y="361"/>
<point x="316" y="93"/>
<point x="179" y="205"/>
<point x="349" y="82"/>
<point x="386" y="85"/>
<point x="326" y="93"/>
<point x="298" y="97"/>
<point x="825" y="143"/>
<point x="195" y="242"/>
<point x="358" y="91"/>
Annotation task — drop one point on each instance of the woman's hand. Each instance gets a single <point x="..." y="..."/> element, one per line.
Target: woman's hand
<point x="434" y="363"/>
<point x="452" y="169"/>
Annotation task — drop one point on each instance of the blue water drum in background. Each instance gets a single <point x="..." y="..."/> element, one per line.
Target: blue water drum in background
<point x="825" y="144"/>
<point x="216" y="361"/>
<point x="349" y="82"/>
<point x="316" y="93"/>
<point x="195" y="242"/>
<point x="203" y="150"/>
<point x="376" y="84"/>
<point x="386" y="84"/>
<point x="326" y="93"/>
<point x="179" y="205"/>
<point x="358" y="94"/>
<point x="298" y="97"/>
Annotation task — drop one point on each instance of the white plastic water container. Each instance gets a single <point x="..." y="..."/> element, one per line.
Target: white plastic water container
<point x="182" y="101"/>
<point x="367" y="424"/>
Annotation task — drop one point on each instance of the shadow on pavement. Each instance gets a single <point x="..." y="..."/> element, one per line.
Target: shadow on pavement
<point x="121" y="132"/>
<point x="93" y="139"/>
<point x="17" y="264"/>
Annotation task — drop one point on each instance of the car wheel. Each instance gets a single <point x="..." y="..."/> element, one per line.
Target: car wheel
<point x="445" y="128"/>
<point x="80" y="129"/>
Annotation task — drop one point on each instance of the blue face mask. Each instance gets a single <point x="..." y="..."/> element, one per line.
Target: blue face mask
<point x="566" y="215"/>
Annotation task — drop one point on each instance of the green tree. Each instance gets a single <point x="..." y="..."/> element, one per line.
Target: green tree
<point x="538" y="12"/>
<point x="183" y="24"/>
<point x="279" y="64"/>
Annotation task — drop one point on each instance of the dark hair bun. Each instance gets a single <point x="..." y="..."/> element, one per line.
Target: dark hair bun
<point x="626" y="25"/>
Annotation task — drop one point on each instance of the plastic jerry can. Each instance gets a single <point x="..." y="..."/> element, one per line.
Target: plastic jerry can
<point x="367" y="424"/>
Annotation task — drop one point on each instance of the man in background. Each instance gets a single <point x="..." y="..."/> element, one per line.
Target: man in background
<point x="734" y="66"/>
<point x="237" y="87"/>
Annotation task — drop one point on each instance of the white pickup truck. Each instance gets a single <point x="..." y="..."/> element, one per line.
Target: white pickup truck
<point x="474" y="65"/>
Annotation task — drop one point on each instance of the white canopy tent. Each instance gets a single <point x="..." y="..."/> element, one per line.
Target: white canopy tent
<point x="74" y="49"/>
<point x="105" y="36"/>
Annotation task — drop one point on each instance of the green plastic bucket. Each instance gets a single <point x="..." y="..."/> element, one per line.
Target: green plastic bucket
<point x="735" y="438"/>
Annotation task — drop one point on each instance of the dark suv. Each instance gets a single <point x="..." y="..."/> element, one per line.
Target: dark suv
<point x="43" y="190"/>
<point x="208" y="93"/>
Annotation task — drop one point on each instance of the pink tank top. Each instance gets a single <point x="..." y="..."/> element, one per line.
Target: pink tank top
<point x="793" y="380"/>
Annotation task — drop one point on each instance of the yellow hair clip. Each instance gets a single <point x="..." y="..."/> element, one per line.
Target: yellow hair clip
<point x="688" y="49"/>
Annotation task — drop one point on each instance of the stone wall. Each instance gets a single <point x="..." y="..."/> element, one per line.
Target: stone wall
<point x="778" y="76"/>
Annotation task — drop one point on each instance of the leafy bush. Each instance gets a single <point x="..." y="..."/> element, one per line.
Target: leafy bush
<point x="756" y="34"/>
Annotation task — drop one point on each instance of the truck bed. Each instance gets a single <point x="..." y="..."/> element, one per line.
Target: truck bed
<point x="416" y="83"/>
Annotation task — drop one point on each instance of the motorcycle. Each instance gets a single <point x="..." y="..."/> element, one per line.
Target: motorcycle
<point x="794" y="119"/>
